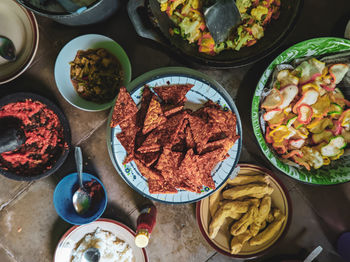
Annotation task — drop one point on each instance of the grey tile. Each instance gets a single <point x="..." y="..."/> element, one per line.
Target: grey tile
<point x="5" y="256"/>
<point x="176" y="236"/>
<point x="30" y="226"/>
<point x="10" y="189"/>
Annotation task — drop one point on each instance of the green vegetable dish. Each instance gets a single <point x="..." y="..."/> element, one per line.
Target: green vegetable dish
<point x="188" y="17"/>
<point x="96" y="75"/>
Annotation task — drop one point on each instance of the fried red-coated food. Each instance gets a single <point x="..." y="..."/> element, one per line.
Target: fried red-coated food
<point x="147" y="95"/>
<point x="147" y="172"/>
<point x="165" y="134"/>
<point x="169" y="110"/>
<point x="127" y="137"/>
<point x="160" y="187"/>
<point x="199" y="130"/>
<point x="124" y="107"/>
<point x="190" y="143"/>
<point x="168" y="163"/>
<point x="225" y="120"/>
<point x="154" y="116"/>
<point x="188" y="171"/>
<point x="207" y="162"/>
<point x="147" y="159"/>
<point x="173" y="94"/>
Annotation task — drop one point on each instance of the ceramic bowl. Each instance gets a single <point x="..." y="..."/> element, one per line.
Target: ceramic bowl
<point x="68" y="53"/>
<point x="338" y="171"/>
<point x="19" y="25"/>
<point x="220" y="243"/>
<point x="62" y="199"/>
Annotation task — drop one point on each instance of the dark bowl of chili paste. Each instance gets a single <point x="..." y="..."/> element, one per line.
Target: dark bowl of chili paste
<point x="47" y="134"/>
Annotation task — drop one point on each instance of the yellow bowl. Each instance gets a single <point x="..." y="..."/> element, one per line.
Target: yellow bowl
<point x="221" y="242"/>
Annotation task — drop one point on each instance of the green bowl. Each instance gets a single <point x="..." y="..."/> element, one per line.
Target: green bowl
<point x="339" y="170"/>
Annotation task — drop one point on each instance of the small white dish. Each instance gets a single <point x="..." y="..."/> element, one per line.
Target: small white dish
<point x="68" y="53"/>
<point x="19" y="25"/>
<point x="70" y="239"/>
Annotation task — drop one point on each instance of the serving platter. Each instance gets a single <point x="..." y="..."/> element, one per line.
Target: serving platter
<point x="338" y="171"/>
<point x="204" y="89"/>
<point x="69" y="240"/>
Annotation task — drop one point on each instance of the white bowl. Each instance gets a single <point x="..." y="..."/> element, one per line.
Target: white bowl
<point x="68" y="53"/>
<point x="19" y="25"/>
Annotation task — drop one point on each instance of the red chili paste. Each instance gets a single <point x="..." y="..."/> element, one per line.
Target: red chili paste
<point x="44" y="138"/>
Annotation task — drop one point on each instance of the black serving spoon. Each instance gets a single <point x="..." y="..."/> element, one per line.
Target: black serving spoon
<point x="11" y="135"/>
<point x="221" y="16"/>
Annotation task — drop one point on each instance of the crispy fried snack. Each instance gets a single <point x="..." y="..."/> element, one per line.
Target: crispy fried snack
<point x="247" y="191"/>
<point x="124" y="107"/>
<point x="231" y="209"/>
<point x="247" y="179"/>
<point x="269" y="232"/>
<point x="263" y="212"/>
<point x="241" y="226"/>
<point x="173" y="94"/>
<point x="154" y="116"/>
<point x="237" y="242"/>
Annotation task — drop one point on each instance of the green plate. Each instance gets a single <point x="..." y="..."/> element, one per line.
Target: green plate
<point x="338" y="171"/>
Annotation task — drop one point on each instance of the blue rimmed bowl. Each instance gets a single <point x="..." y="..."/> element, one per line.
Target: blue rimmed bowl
<point x="63" y="200"/>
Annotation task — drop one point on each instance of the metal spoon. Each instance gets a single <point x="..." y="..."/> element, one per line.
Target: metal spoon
<point x="313" y="254"/>
<point x="220" y="17"/>
<point x="7" y="49"/>
<point x="81" y="198"/>
<point x="91" y="255"/>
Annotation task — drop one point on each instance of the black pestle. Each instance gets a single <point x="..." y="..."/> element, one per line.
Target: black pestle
<point x="11" y="134"/>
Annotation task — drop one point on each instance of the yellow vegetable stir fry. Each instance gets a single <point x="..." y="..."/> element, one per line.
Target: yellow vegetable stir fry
<point x="190" y="24"/>
<point x="307" y="115"/>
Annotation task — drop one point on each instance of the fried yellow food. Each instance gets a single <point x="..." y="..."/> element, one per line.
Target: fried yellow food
<point x="247" y="191"/>
<point x="247" y="179"/>
<point x="269" y="232"/>
<point x="238" y="242"/>
<point x="270" y="218"/>
<point x="214" y="201"/>
<point x="232" y="209"/>
<point x="263" y="212"/>
<point x="240" y="226"/>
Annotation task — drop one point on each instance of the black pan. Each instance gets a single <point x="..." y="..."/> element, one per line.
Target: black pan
<point x="15" y="97"/>
<point x="148" y="23"/>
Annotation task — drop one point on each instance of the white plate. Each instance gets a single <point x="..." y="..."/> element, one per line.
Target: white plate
<point x="68" y="53"/>
<point x="19" y="25"/>
<point x="75" y="234"/>
<point x="204" y="89"/>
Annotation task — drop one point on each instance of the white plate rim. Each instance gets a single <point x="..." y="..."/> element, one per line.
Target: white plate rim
<point x="107" y="220"/>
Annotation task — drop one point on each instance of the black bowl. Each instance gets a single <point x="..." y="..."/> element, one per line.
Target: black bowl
<point x="15" y="97"/>
<point x="275" y="33"/>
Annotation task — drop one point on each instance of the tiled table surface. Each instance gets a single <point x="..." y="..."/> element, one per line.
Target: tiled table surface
<point x="29" y="225"/>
